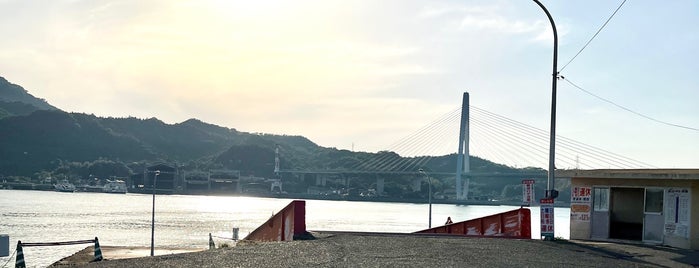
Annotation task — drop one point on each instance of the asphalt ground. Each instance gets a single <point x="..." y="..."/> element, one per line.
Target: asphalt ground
<point x="334" y="249"/>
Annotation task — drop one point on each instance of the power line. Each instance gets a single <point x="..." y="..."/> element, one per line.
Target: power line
<point x="593" y="37"/>
<point x="629" y="110"/>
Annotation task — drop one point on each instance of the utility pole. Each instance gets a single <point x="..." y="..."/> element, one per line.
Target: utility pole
<point x="550" y="192"/>
<point x="546" y="204"/>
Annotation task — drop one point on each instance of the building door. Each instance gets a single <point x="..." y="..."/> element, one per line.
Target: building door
<point x="653" y="220"/>
<point x="600" y="213"/>
<point x="626" y="213"/>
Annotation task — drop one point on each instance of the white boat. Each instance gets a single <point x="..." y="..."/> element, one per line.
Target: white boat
<point x="64" y="186"/>
<point x="115" y="186"/>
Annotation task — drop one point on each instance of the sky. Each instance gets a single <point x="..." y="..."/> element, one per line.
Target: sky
<point x="363" y="74"/>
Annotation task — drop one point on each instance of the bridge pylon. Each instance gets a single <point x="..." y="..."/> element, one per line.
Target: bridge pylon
<point x="463" y="160"/>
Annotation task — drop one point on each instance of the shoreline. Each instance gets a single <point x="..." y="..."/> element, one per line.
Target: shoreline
<point x="342" y="198"/>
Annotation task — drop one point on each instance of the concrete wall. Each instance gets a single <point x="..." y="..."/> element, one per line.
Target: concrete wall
<point x="583" y="230"/>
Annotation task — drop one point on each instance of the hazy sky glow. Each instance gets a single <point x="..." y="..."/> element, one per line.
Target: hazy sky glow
<point x="366" y="72"/>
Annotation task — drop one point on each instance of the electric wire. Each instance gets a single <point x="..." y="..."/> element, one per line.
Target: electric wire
<point x="629" y="110"/>
<point x="593" y="37"/>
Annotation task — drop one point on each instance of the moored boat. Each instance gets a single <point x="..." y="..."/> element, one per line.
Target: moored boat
<point x="114" y="186"/>
<point x="64" y="186"/>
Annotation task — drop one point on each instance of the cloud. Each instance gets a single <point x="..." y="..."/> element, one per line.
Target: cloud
<point x="490" y="19"/>
<point x="501" y="24"/>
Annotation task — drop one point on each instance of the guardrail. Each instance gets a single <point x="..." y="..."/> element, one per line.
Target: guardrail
<point x="287" y="225"/>
<point x="512" y="224"/>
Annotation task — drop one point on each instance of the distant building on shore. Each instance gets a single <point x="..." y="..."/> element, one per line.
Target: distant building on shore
<point x="652" y="206"/>
<point x="164" y="177"/>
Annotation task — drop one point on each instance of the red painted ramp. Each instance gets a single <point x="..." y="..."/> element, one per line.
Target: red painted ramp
<point x="513" y="224"/>
<point x="287" y="225"/>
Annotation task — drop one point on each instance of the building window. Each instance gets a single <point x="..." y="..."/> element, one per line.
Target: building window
<point x="654" y="200"/>
<point x="601" y="200"/>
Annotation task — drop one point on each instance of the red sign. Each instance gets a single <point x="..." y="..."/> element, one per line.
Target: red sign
<point x="527" y="192"/>
<point x="580" y="194"/>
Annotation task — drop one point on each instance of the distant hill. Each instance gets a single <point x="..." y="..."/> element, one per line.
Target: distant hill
<point x="38" y="140"/>
<point x="15" y="100"/>
<point x="42" y="140"/>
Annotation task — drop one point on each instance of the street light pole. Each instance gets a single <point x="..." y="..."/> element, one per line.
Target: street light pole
<point x="550" y="192"/>
<point x="152" y="225"/>
<point x="429" y="196"/>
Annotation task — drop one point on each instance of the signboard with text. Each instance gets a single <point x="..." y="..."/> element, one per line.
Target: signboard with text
<point x="580" y="203"/>
<point x="677" y="211"/>
<point x="527" y="192"/>
<point x="547" y="230"/>
<point x="580" y="194"/>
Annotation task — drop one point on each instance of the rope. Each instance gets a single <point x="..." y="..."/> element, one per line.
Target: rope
<point x="221" y="237"/>
<point x="47" y="244"/>
<point x="9" y="259"/>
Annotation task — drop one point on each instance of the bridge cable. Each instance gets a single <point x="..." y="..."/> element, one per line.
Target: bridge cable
<point x="568" y="143"/>
<point x="565" y="142"/>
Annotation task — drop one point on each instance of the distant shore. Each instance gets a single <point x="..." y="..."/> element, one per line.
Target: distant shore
<point x="559" y="203"/>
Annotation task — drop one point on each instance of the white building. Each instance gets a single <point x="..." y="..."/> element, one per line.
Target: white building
<point x="653" y="206"/>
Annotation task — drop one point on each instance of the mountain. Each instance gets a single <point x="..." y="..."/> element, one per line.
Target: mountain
<point x="15" y="100"/>
<point x="44" y="139"/>
<point x="39" y="141"/>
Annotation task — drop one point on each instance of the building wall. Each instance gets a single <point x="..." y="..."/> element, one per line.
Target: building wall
<point x="694" y="233"/>
<point x="580" y="230"/>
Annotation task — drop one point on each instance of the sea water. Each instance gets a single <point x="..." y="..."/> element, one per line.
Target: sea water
<point x="185" y="221"/>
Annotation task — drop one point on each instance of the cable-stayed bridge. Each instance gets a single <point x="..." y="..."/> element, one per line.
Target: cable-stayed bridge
<point x="463" y="138"/>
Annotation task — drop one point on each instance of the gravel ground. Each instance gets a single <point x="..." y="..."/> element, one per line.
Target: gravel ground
<point x="332" y="249"/>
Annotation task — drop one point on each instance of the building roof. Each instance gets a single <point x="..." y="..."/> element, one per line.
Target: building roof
<point x="673" y="174"/>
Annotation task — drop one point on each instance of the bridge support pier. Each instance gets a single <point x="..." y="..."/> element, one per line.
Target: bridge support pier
<point x="321" y="180"/>
<point x="379" y="185"/>
<point x="416" y="184"/>
<point x="464" y="190"/>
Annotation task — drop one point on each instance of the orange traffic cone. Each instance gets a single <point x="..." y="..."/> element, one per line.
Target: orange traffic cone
<point x="98" y="250"/>
<point x="19" y="261"/>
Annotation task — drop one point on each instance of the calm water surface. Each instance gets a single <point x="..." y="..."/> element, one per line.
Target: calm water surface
<point x="185" y="221"/>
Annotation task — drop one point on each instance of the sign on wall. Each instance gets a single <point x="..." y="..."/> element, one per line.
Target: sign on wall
<point x="580" y="203"/>
<point x="580" y="194"/>
<point x="677" y="207"/>
<point x="527" y="192"/>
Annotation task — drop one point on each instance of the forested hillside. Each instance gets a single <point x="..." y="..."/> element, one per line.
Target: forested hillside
<point x="39" y="141"/>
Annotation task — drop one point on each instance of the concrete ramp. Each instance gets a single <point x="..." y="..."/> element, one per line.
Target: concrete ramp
<point x="513" y="224"/>
<point x="287" y="225"/>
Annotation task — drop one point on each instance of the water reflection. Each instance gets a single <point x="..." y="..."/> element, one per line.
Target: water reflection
<point x="186" y="221"/>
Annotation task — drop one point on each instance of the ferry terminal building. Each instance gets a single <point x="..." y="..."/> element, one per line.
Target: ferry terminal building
<point x="654" y="206"/>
